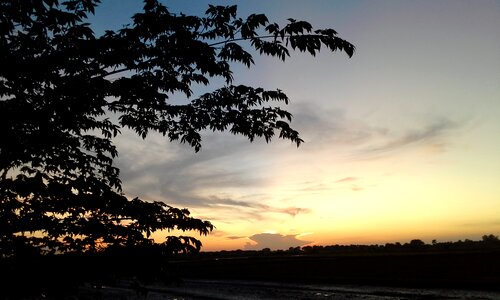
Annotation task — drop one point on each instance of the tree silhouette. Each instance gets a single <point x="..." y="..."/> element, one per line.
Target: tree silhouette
<point x="65" y="93"/>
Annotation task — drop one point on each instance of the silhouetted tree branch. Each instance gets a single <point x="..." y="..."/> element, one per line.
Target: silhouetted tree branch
<point x="59" y="190"/>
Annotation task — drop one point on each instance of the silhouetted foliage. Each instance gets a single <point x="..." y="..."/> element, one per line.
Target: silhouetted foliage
<point x="491" y="239"/>
<point x="65" y="93"/>
<point x="417" y="244"/>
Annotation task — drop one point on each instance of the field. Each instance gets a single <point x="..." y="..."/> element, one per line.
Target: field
<point x="231" y="289"/>
<point x="478" y="270"/>
<point x="426" y="274"/>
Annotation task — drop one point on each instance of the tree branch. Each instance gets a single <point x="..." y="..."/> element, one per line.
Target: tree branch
<point x="114" y="72"/>
<point x="210" y="45"/>
<point x="243" y="39"/>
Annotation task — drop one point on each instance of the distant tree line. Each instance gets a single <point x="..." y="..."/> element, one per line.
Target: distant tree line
<point x="487" y="242"/>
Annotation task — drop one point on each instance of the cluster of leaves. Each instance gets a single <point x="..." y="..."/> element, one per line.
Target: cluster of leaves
<point x="59" y="189"/>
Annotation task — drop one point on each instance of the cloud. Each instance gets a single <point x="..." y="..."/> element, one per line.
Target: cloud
<point x="232" y="237"/>
<point x="293" y="211"/>
<point x="218" y="233"/>
<point x="274" y="241"/>
<point x="346" y="179"/>
<point x="179" y="176"/>
<point x="323" y="127"/>
<point x="201" y="181"/>
<point x="327" y="128"/>
<point x="356" y="188"/>
<point x="254" y="206"/>
<point x="433" y="134"/>
<point x="227" y="210"/>
<point x="217" y="201"/>
<point x="484" y="223"/>
<point x="353" y="183"/>
<point x="312" y="187"/>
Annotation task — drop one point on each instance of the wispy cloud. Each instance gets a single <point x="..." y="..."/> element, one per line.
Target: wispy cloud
<point x="293" y="211"/>
<point x="201" y="181"/>
<point x="484" y="223"/>
<point x="356" y="188"/>
<point x="352" y="183"/>
<point x="346" y="179"/>
<point x="312" y="187"/>
<point x="254" y="207"/>
<point x="326" y="128"/>
<point x="233" y="237"/>
<point x="179" y="176"/>
<point x="434" y="133"/>
<point x="332" y="129"/>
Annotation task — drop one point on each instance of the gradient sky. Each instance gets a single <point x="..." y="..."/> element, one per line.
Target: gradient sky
<point x="401" y="141"/>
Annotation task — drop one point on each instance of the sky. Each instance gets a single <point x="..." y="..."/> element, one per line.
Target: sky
<point x="401" y="140"/>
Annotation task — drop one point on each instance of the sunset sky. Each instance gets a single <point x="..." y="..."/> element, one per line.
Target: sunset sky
<point x="402" y="141"/>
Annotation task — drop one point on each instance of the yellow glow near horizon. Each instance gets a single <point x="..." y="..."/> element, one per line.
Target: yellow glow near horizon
<point x="419" y="200"/>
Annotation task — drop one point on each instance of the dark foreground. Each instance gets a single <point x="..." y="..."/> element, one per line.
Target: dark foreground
<point x="453" y="270"/>
<point x="440" y="275"/>
<point x="420" y="275"/>
<point x="222" y="289"/>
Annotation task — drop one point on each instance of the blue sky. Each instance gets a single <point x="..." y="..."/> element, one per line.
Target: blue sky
<point x="402" y="140"/>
